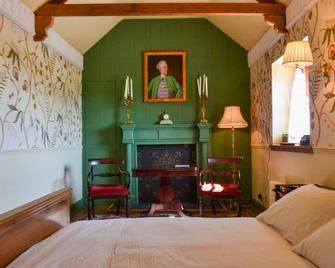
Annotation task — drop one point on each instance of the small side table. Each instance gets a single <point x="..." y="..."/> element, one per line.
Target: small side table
<point x="165" y="193"/>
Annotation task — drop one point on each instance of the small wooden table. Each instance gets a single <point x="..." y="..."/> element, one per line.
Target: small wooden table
<point x="165" y="193"/>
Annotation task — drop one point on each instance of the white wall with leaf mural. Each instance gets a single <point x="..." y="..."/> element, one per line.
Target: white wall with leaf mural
<point x="40" y="119"/>
<point x="40" y="94"/>
<point x="319" y="25"/>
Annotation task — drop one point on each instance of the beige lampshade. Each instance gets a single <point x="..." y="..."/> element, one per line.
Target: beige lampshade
<point x="298" y="54"/>
<point x="232" y="118"/>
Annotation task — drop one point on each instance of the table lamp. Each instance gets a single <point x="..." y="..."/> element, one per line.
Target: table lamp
<point x="298" y="54"/>
<point x="232" y="118"/>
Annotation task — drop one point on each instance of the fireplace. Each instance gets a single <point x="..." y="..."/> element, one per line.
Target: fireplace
<point x="140" y="139"/>
<point x="167" y="156"/>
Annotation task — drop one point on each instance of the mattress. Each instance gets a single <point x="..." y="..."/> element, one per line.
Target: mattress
<point x="163" y="242"/>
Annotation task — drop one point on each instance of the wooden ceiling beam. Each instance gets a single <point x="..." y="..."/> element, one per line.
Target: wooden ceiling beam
<point x="273" y="12"/>
<point x="160" y="9"/>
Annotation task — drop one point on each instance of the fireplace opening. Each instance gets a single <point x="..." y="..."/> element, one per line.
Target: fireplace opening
<point x="167" y="156"/>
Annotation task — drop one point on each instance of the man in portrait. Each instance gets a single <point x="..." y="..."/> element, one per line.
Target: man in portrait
<point x="164" y="86"/>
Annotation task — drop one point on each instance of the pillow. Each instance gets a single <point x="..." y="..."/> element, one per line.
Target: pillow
<point x="301" y="212"/>
<point x="319" y="246"/>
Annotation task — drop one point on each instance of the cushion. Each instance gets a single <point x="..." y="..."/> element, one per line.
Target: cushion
<point x="220" y="189"/>
<point x="300" y="212"/>
<point x="107" y="190"/>
<point x="319" y="246"/>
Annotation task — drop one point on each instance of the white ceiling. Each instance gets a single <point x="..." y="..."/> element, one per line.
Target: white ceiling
<point x="83" y="32"/>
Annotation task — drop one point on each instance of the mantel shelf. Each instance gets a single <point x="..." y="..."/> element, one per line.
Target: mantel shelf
<point x="166" y="134"/>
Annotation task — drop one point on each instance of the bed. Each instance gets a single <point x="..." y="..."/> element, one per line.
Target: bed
<point x="147" y="242"/>
<point x="163" y="242"/>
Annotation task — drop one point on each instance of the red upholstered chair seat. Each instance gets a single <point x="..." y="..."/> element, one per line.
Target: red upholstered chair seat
<point x="108" y="190"/>
<point x="228" y="169"/>
<point x="229" y="189"/>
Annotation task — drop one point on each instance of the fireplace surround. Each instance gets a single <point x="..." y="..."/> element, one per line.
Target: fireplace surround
<point x="137" y="135"/>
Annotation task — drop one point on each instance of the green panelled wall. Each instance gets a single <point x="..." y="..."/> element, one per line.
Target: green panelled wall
<point x="120" y="53"/>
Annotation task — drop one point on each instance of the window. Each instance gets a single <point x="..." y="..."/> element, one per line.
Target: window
<point x="290" y="103"/>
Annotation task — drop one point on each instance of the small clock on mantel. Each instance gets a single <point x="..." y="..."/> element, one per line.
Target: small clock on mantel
<point x="166" y="119"/>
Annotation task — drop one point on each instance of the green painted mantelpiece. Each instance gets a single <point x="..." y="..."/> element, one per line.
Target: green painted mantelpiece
<point x="133" y="135"/>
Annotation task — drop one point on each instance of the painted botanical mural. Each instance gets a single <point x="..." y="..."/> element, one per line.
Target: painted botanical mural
<point x="40" y="94"/>
<point x="319" y="26"/>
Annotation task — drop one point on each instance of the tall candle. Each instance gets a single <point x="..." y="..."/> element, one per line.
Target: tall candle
<point x="126" y="88"/>
<point x="206" y="86"/>
<point x="131" y="88"/>
<point x="198" y="83"/>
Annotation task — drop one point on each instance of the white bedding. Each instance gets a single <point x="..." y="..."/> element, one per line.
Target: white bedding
<point x="164" y="242"/>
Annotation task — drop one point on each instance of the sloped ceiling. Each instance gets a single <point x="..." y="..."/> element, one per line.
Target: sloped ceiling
<point x="83" y="32"/>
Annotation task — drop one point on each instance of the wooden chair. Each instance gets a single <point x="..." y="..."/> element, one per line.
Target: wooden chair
<point x="217" y="188"/>
<point x="118" y="190"/>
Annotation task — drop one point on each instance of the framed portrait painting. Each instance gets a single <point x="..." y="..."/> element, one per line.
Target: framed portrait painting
<point x="165" y="76"/>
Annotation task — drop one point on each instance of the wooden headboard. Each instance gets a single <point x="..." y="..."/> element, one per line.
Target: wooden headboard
<point x="27" y="225"/>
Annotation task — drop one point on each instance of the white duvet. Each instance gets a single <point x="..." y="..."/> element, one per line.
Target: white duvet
<point x="164" y="242"/>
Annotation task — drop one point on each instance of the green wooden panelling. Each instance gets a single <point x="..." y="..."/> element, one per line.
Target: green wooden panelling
<point x="120" y="53"/>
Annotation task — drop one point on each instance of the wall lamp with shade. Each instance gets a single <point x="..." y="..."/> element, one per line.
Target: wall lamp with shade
<point x="298" y="54"/>
<point x="232" y="119"/>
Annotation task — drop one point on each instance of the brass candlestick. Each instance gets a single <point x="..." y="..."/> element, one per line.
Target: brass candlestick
<point x="128" y="103"/>
<point x="203" y="99"/>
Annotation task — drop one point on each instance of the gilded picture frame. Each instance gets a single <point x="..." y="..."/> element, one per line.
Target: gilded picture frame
<point x="165" y="76"/>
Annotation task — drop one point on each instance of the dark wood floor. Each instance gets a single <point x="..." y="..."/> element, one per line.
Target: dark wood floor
<point x="104" y="212"/>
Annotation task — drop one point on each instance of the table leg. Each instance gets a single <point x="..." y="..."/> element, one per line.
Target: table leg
<point x="166" y="196"/>
<point x="165" y="193"/>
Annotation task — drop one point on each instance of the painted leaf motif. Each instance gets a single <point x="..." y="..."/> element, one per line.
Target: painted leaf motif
<point x="15" y="57"/>
<point x="310" y="15"/>
<point x="325" y="37"/>
<point x="333" y="108"/>
<point x="329" y="95"/>
<point x="17" y="116"/>
<point x="12" y="107"/>
<point x="3" y="83"/>
<point x="45" y="51"/>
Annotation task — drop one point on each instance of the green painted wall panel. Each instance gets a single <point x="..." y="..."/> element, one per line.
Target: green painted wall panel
<point x="120" y="53"/>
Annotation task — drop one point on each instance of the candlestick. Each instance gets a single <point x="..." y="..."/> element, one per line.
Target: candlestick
<point x="128" y="100"/>
<point x="203" y="97"/>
